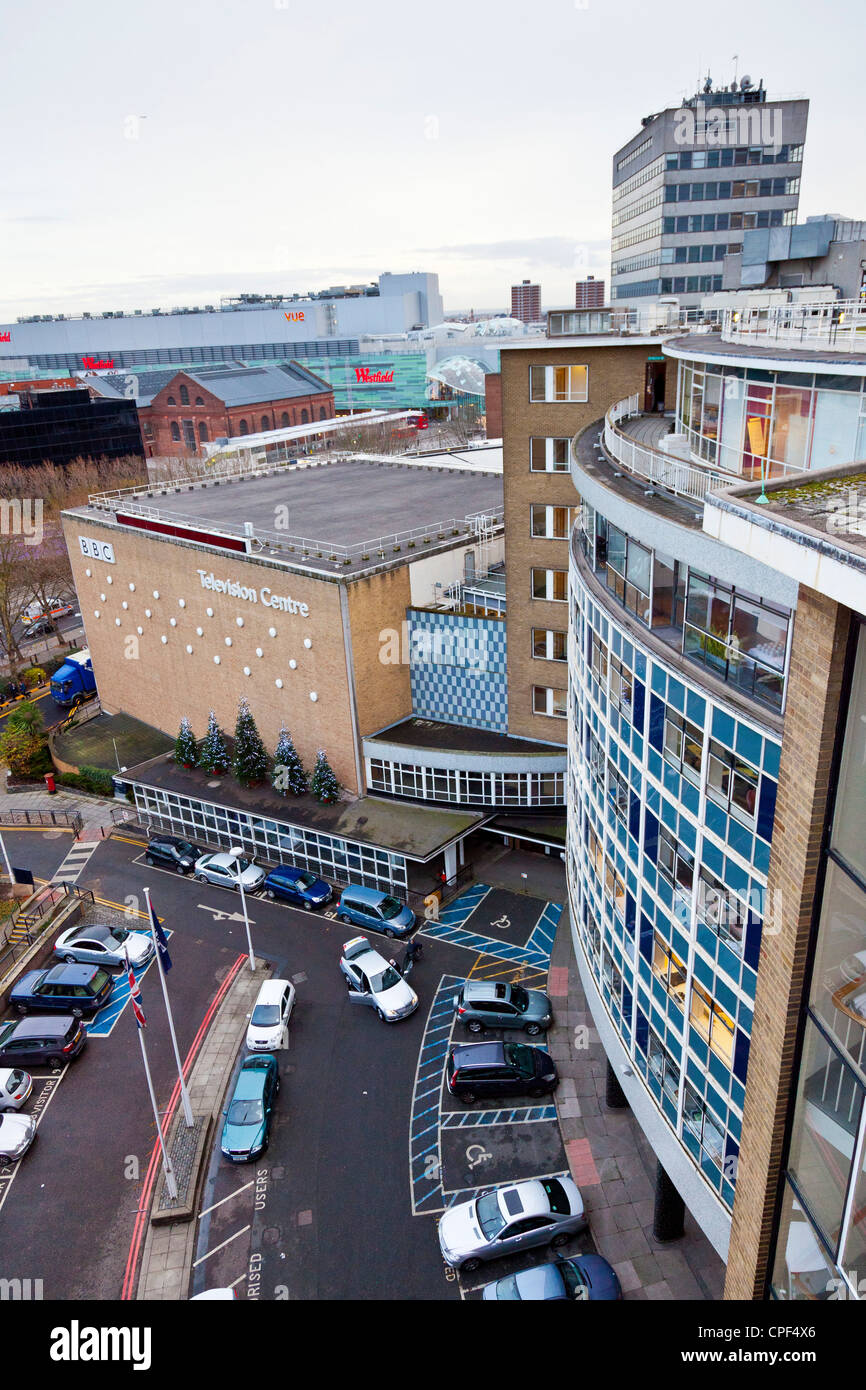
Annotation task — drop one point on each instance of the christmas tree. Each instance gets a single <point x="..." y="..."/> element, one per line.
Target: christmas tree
<point x="214" y="755"/>
<point x="289" y="774"/>
<point x="250" y="760"/>
<point x="324" y="786"/>
<point x="185" y="746"/>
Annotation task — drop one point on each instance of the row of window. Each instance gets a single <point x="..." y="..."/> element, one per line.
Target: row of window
<point x="634" y="154"/>
<point x="689" y="284"/>
<point x="676" y="255"/>
<point x="727" y="157"/>
<point x="645" y="232"/>
<point x="731" y="188"/>
<point x="635" y="209"/>
<point x="179" y="356"/>
<point x="651" y="171"/>
<point x="728" y="221"/>
<point x="467" y="788"/>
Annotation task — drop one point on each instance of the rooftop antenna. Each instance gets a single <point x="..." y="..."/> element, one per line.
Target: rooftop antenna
<point x="736" y="64"/>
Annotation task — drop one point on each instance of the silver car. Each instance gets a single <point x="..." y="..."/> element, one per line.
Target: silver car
<point x="15" y="1088"/>
<point x="375" y="981"/>
<point x="506" y="1220"/>
<point x="97" y="945"/>
<point x="17" y="1133"/>
<point x="225" y="871"/>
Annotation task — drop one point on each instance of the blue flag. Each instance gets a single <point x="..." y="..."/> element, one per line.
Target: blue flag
<point x="162" y="943"/>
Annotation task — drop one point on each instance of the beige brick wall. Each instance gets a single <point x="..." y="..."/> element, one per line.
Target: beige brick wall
<point x="821" y="630"/>
<point x="383" y="692"/>
<point x="160" y="682"/>
<point x="615" y="370"/>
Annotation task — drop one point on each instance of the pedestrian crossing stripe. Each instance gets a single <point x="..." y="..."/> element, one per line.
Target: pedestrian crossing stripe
<point x="74" y="862"/>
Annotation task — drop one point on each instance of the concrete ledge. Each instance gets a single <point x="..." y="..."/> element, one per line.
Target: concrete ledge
<point x="187" y="1149"/>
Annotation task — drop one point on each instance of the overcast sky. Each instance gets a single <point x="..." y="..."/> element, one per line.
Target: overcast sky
<point x="176" y="151"/>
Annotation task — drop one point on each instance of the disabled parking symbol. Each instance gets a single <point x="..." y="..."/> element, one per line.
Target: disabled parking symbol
<point x="502" y="923"/>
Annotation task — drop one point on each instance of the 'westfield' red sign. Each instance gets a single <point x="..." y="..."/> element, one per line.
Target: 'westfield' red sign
<point x="5" y="337"/>
<point x="96" y="362"/>
<point x="365" y="377"/>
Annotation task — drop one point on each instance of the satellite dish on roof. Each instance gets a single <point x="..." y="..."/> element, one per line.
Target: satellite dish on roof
<point x="745" y="83"/>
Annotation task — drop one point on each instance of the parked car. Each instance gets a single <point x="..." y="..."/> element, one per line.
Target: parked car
<point x="480" y="1070"/>
<point x="270" y="1015"/>
<point x="290" y="885"/>
<point x="74" y="989"/>
<point x="507" y="1220"/>
<point x="479" y="1005"/>
<point x="172" y="853"/>
<point x="585" y="1279"/>
<point x="15" y="1088"/>
<point x="367" y="907"/>
<point x="375" y="981"/>
<point x="248" y="1113"/>
<point x="222" y="869"/>
<point x="43" y="1040"/>
<point x="40" y="628"/>
<point x="107" y="946"/>
<point x="17" y="1133"/>
<point x="215" y="1296"/>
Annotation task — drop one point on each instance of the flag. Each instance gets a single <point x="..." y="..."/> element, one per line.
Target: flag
<point x="135" y="996"/>
<point x="161" y="941"/>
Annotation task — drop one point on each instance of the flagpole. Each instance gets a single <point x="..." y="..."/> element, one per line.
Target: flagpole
<point x="170" y="1184"/>
<point x="184" y="1094"/>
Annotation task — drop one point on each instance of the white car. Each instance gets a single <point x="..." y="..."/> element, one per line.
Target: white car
<point x="226" y="871"/>
<point x="17" y="1133"/>
<point x="15" y="1088"/>
<point x="506" y="1220"/>
<point x="270" y="1016"/>
<point x="376" y="981"/>
<point x="98" y="945"/>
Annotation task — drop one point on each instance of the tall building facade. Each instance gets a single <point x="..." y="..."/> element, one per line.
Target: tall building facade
<point x="526" y="302"/>
<point x="714" y="666"/>
<point x="589" y="293"/>
<point x="692" y="181"/>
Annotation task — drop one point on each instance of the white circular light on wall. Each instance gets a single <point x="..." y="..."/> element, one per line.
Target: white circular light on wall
<point x="247" y="671"/>
<point x="109" y="579"/>
<point x="102" y="596"/>
<point x="272" y="632"/>
<point x="239" y="621"/>
<point x="124" y="604"/>
<point x="293" y="665"/>
<point x="189" y="651"/>
<point x="156" y="593"/>
<point x="173" y="622"/>
<point x="96" y="612"/>
<point x="209" y="612"/>
<point x="181" y="603"/>
<point x="117" y="622"/>
<point x="313" y="696"/>
<point x="278" y="684"/>
<point x="163" y="639"/>
<point x="307" y="643"/>
<point x="140" y="631"/>
<point x="200" y="631"/>
<point x="228" y="641"/>
<point x="88" y="573"/>
<point x="216" y="661"/>
<point x="132" y="588"/>
<point x="259" y="651"/>
<point x="147" y="612"/>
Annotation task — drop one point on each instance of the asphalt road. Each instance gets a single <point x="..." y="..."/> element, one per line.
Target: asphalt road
<point x="330" y="1209"/>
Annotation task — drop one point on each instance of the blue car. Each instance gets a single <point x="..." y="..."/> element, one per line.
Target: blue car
<point x="248" y="1114"/>
<point x="584" y="1279"/>
<point x="71" y="989"/>
<point x="367" y="907"/>
<point x="290" y="885"/>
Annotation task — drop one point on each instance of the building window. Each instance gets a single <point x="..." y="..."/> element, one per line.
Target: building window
<point x="700" y="1123"/>
<point x="171" y="401"/>
<point x="722" y="911"/>
<point x="738" y="637"/>
<point x="713" y="1024"/>
<point x="175" y="431"/>
<point x="323" y="414"/>
<point x="550" y="584"/>
<point x="558" y="383"/>
<point x="284" y="420"/>
<point x="305" y="419"/>
<point x="683" y="746"/>
<point x="669" y="969"/>
<point x="675" y="861"/>
<point x="548" y="645"/>
<point x="265" y="423"/>
<point x="202" y="432"/>
<point x="551" y="523"/>
<point x="199" y="400"/>
<point x="663" y="1067"/>
<point x="549" y="455"/>
<point x="617" y="793"/>
<point x="244" y="427"/>
<point x="732" y="783"/>
<point x="620" y="685"/>
<point x="184" y="395"/>
<point x="553" y="703"/>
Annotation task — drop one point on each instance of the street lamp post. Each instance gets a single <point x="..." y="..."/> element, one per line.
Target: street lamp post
<point x="237" y="854"/>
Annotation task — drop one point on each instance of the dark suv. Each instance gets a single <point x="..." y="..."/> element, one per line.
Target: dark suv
<point x="491" y="1069"/>
<point x="71" y="989"/>
<point x="479" y="1005"/>
<point x="172" y="853"/>
<point x="41" y="1041"/>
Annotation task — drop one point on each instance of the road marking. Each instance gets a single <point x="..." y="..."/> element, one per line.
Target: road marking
<point x="477" y="1119"/>
<point x="201" y="1259"/>
<point x="75" y="861"/>
<point x="126" y="840"/>
<point x="219" y="916"/>
<point x="229" y="1198"/>
<point x="54" y="1083"/>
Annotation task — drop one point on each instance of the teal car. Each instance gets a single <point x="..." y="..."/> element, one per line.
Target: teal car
<point x="248" y="1113"/>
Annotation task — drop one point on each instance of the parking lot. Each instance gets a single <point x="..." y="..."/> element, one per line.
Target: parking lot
<point x="337" y="1208"/>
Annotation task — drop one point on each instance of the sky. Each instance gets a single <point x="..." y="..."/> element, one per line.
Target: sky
<point x="178" y="151"/>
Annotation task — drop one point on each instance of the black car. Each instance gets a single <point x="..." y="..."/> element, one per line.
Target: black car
<point x="486" y="1070"/>
<point x="71" y="989"/>
<point x="173" y="853"/>
<point x="41" y="1041"/>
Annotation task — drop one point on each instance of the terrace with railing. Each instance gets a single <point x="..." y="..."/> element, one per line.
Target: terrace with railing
<point x="661" y="469"/>
<point x="838" y="324"/>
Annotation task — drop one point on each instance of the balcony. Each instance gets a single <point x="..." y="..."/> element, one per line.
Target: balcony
<point x="834" y="325"/>
<point x="662" y="469"/>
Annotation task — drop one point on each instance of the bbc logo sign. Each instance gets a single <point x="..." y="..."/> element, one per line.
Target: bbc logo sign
<point x="96" y="550"/>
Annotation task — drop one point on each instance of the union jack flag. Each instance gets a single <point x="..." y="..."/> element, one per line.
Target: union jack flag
<point x="135" y="996"/>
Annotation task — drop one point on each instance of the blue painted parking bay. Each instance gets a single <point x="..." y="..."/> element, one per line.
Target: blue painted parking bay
<point x="103" y="1023"/>
<point x="494" y="922"/>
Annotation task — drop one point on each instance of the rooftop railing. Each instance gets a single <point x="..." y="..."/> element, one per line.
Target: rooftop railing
<point x="840" y="323"/>
<point x="661" y="469"/>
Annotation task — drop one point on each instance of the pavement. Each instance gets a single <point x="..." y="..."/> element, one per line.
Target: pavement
<point x="99" y="815"/>
<point x="610" y="1159"/>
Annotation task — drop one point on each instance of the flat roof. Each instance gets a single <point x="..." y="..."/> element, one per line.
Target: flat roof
<point x="777" y="357"/>
<point x="459" y="738"/>
<point x="588" y="340"/>
<point x="418" y="832"/>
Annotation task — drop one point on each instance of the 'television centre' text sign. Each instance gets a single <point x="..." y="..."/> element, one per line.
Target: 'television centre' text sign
<point x="282" y="602"/>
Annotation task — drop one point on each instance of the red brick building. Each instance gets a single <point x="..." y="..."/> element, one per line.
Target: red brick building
<point x="526" y="302"/>
<point x="191" y="409"/>
<point x="589" y="293"/>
